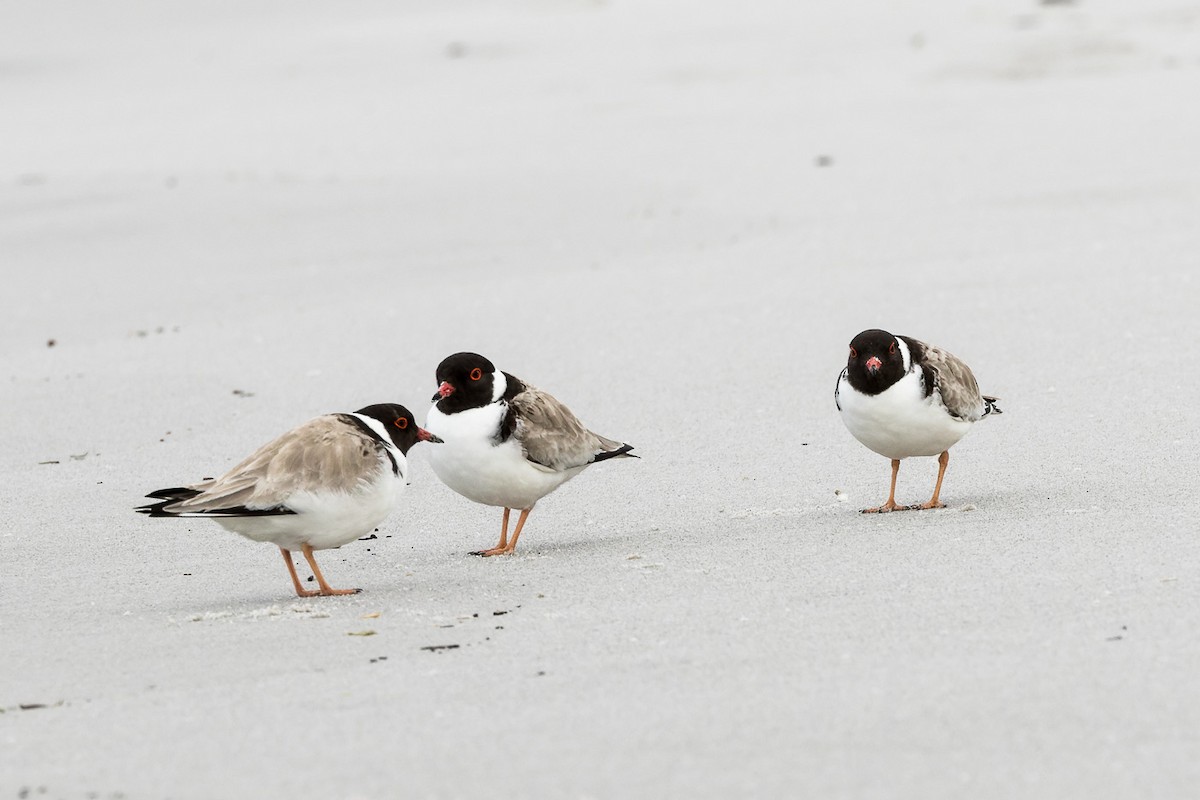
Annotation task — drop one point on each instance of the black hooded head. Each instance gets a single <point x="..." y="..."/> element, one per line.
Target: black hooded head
<point x="465" y="380"/>
<point x="875" y="363"/>
<point x="400" y="424"/>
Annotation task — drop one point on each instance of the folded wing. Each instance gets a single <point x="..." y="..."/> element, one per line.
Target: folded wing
<point x="954" y="379"/>
<point x="554" y="437"/>
<point x="322" y="455"/>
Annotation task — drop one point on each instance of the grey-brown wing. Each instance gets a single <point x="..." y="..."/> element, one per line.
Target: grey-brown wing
<point x="955" y="382"/>
<point x="553" y="436"/>
<point x="322" y="454"/>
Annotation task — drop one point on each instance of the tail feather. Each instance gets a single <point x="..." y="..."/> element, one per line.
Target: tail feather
<point x="989" y="405"/>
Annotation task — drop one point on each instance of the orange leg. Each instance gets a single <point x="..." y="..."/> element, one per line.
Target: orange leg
<point x="325" y="588"/>
<point x="499" y="548"/>
<point x="890" y="505"/>
<point x="517" y="531"/>
<point x="506" y="547"/>
<point x="943" y="460"/>
<point x="300" y="590"/>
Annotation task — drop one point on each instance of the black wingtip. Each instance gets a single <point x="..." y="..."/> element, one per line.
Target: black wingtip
<point x="155" y="509"/>
<point x="159" y="510"/>
<point x="622" y="451"/>
<point x="168" y="496"/>
<point x="178" y="493"/>
<point x="172" y="496"/>
<point x="990" y="407"/>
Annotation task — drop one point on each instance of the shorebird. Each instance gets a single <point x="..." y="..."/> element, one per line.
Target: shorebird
<point x="318" y="486"/>
<point x="904" y="398"/>
<point x="507" y="443"/>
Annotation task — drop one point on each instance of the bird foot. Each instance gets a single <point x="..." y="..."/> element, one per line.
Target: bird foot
<point x="890" y="505"/>
<point x="926" y="506"/>
<point x="493" y="551"/>
<point x="334" y="592"/>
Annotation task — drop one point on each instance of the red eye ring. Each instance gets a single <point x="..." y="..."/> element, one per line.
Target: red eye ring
<point x="892" y="347"/>
<point x="401" y="423"/>
<point x="853" y="353"/>
<point x="476" y="374"/>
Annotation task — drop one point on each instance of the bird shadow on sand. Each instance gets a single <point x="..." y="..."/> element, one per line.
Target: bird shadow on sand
<point x="617" y="545"/>
<point x="259" y="606"/>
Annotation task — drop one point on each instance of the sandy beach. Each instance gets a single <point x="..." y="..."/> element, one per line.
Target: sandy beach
<point x="218" y="221"/>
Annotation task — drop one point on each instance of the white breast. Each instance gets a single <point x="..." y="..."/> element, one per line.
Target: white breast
<point x="471" y="462"/>
<point x="326" y="519"/>
<point x="900" y="422"/>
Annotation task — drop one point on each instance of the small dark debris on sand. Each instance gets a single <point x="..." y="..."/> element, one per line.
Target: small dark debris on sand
<point x="435" y="648"/>
<point x="242" y="393"/>
<point x="142" y="333"/>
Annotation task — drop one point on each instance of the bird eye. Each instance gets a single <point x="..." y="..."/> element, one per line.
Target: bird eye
<point x="853" y="353"/>
<point x="401" y="423"/>
<point x="476" y="374"/>
<point x="892" y="348"/>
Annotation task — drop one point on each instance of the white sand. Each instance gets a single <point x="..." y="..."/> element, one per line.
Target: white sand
<point x="620" y="202"/>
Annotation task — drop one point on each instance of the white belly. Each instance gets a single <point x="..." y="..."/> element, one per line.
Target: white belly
<point x="900" y="422"/>
<point x="472" y="464"/>
<point x="325" y="520"/>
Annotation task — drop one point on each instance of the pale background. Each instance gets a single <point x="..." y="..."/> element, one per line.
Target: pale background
<point x="674" y="216"/>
